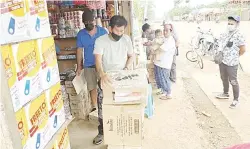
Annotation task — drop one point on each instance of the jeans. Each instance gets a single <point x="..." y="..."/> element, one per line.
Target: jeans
<point x="229" y="75"/>
<point x="157" y="76"/>
<point x="99" y="104"/>
<point x="164" y="79"/>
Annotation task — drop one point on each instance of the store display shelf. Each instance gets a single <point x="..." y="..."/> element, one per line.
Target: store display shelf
<point x="105" y="19"/>
<point x="66" y="59"/>
<point x="52" y="141"/>
<point x="65" y="38"/>
<point x="71" y="9"/>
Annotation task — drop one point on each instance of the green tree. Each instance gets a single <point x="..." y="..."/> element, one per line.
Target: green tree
<point x="151" y="10"/>
<point x="138" y="10"/>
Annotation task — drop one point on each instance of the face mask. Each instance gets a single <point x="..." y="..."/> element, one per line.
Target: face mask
<point x="116" y="37"/>
<point x="89" y="27"/>
<point x="231" y="28"/>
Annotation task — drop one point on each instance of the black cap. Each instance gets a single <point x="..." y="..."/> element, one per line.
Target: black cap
<point x="145" y="27"/>
<point x="87" y="16"/>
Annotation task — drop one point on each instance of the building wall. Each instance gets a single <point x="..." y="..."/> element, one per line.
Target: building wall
<point x="245" y="16"/>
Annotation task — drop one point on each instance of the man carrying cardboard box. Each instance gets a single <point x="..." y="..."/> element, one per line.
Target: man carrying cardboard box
<point x="112" y="52"/>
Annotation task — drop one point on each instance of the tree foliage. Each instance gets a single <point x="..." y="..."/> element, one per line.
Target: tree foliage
<point x="151" y="10"/>
<point x="139" y="7"/>
<point x="177" y="11"/>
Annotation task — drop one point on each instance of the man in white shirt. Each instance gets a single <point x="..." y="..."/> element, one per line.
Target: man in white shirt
<point x="113" y="51"/>
<point x="163" y="62"/>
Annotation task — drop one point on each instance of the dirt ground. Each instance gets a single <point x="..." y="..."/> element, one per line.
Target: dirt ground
<point x="193" y="119"/>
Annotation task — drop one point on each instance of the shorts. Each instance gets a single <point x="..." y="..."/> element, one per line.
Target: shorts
<point x="91" y="78"/>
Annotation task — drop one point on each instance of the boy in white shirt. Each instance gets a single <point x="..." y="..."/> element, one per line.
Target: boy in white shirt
<point x="163" y="62"/>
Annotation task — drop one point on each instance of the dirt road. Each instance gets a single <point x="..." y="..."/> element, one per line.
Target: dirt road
<point x="193" y="119"/>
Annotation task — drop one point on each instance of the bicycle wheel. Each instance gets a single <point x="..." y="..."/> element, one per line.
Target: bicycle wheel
<point x="200" y="61"/>
<point x="191" y="56"/>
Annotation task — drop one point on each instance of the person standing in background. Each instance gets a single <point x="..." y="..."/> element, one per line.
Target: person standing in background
<point x="176" y="38"/>
<point x="148" y="34"/>
<point x="232" y="47"/>
<point x="85" y="58"/>
<point x="163" y="62"/>
<point x="112" y="52"/>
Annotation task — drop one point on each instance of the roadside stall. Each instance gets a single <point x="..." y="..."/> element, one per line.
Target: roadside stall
<point x="38" y="97"/>
<point x="32" y="109"/>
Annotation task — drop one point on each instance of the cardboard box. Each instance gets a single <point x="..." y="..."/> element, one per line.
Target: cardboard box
<point x="38" y="19"/>
<point x="123" y="125"/>
<point x="56" y="107"/>
<point x="70" y="90"/>
<point x="79" y="114"/>
<point x="54" y="146"/>
<point x="14" y="22"/>
<point x="69" y="84"/>
<point x="63" y="139"/>
<point x="49" y="68"/>
<point x="38" y="122"/>
<point x="76" y="104"/>
<point x="22" y="65"/>
<point x="93" y="117"/>
<point x="11" y="75"/>
<point x="122" y="147"/>
<point x="150" y="65"/>
<point x="82" y="96"/>
<point x="22" y="125"/>
<point x="129" y="87"/>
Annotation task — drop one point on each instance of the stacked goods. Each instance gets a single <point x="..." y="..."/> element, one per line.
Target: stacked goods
<point x="93" y="117"/>
<point x="35" y="89"/>
<point x="24" y="20"/>
<point x="80" y="104"/>
<point x="31" y="71"/>
<point x="123" y="109"/>
<point x="65" y="98"/>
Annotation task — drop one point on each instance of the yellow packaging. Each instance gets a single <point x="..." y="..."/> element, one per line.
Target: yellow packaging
<point x="11" y="75"/>
<point x="38" y="19"/>
<point x="22" y="125"/>
<point x="13" y="24"/>
<point x="55" y="106"/>
<point x="63" y="139"/>
<point x="49" y="68"/>
<point x="38" y="122"/>
<point x="22" y="65"/>
<point x="53" y="146"/>
<point x="27" y="61"/>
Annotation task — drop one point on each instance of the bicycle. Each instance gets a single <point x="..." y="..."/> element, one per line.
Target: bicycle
<point x="194" y="56"/>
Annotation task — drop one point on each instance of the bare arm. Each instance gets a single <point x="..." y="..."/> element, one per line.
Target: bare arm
<point x="105" y="80"/>
<point x="98" y="62"/>
<point x="242" y="50"/>
<point x="129" y="61"/>
<point x="66" y="52"/>
<point x="79" y="58"/>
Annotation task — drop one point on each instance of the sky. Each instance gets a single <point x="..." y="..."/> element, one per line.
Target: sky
<point x="165" y="5"/>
